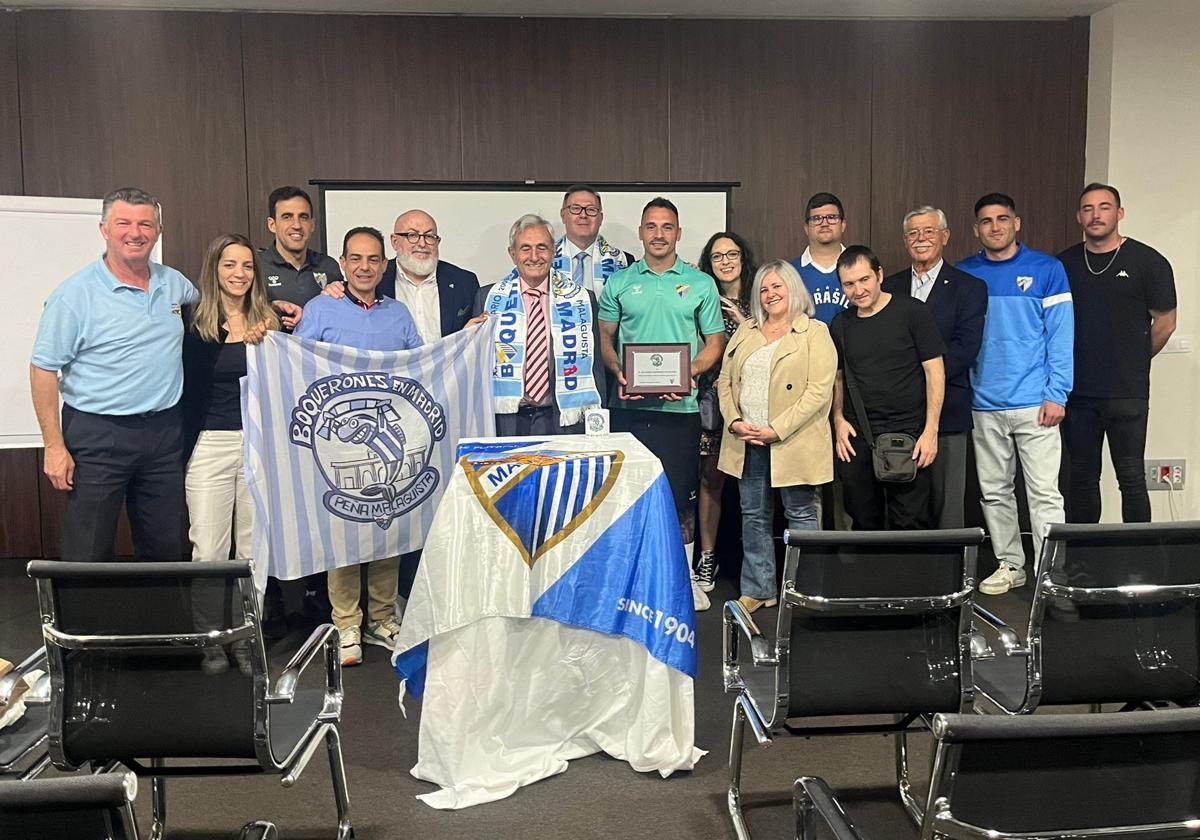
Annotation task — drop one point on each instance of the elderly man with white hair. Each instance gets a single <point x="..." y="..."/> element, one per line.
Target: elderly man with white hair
<point x="547" y="369"/>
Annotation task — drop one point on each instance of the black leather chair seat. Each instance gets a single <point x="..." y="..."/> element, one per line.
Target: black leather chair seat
<point x="1003" y="679"/>
<point x="290" y="722"/>
<point x="23" y="734"/>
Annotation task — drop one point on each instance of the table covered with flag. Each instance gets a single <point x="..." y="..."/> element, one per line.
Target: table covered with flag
<point x="551" y="618"/>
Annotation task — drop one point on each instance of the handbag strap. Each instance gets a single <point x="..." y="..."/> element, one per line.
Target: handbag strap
<point x="852" y="387"/>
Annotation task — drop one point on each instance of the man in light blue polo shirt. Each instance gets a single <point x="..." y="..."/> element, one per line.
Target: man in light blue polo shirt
<point x="110" y="342"/>
<point x="662" y="299"/>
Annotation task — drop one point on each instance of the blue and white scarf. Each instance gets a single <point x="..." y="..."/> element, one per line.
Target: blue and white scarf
<point x="611" y="261"/>
<point x="570" y="340"/>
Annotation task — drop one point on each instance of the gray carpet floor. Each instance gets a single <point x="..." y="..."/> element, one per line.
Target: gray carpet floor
<point x="597" y="797"/>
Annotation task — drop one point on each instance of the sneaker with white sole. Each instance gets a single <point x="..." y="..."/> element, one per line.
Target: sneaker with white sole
<point x="351" y="642"/>
<point x="383" y="633"/>
<point x="706" y="571"/>
<point x="699" y="599"/>
<point x="1003" y="579"/>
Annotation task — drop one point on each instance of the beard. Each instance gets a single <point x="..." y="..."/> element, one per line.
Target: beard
<point x="417" y="266"/>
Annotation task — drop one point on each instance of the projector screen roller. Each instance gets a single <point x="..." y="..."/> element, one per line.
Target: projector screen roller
<point x="473" y="219"/>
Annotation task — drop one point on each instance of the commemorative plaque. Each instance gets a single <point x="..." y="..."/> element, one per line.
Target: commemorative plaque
<point x="656" y="370"/>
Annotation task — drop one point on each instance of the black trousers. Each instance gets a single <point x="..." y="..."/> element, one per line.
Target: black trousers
<point x="674" y="438"/>
<point x="534" y="421"/>
<point x="874" y="505"/>
<point x="1088" y="420"/>
<point x="136" y="461"/>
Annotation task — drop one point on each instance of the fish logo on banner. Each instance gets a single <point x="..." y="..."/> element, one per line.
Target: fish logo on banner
<point x="372" y="436"/>
<point x="538" y="499"/>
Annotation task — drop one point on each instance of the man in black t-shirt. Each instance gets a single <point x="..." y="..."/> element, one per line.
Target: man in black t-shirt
<point x="890" y="350"/>
<point x="293" y="271"/>
<point x="1124" y="297"/>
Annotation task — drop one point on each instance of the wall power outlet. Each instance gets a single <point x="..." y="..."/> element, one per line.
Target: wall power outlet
<point x="1165" y="473"/>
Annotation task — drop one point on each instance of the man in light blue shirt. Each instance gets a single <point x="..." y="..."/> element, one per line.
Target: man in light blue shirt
<point x="110" y="342"/>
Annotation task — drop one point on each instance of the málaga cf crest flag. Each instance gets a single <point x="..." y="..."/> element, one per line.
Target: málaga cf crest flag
<point x="348" y="451"/>
<point x="551" y="618"/>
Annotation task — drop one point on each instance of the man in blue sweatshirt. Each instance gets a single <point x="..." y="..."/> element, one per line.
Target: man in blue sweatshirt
<point x="1021" y="380"/>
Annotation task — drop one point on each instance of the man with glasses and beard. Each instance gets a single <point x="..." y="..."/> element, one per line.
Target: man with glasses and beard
<point x="583" y="253"/>
<point x="438" y="294"/>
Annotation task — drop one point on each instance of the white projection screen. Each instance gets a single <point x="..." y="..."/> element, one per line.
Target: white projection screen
<point x="473" y="218"/>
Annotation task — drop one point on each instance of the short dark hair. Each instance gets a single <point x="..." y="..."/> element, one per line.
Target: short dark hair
<point x="664" y="203"/>
<point x="996" y="198"/>
<point x="355" y="231"/>
<point x="283" y="194"/>
<point x="749" y="266"/>
<point x="574" y="188"/>
<point x="1095" y="185"/>
<point x="820" y="200"/>
<point x="854" y="253"/>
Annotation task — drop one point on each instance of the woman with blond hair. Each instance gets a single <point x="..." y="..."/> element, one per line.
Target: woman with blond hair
<point x="776" y="386"/>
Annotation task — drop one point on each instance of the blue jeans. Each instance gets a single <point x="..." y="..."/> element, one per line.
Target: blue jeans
<point x="758" y="516"/>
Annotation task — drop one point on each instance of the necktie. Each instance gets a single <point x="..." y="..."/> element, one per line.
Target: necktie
<point x="577" y="273"/>
<point x="537" y="356"/>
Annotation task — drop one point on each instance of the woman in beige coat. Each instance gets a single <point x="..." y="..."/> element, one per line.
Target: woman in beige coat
<point x="775" y="388"/>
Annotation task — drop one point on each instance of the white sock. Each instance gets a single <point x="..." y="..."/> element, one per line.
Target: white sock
<point x="688" y="550"/>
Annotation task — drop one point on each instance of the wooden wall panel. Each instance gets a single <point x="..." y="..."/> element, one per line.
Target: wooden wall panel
<point x="150" y="99"/>
<point x="961" y="109"/>
<point x="10" y="109"/>
<point x="565" y="99"/>
<point x="783" y="107"/>
<point x="20" y="529"/>
<point x="355" y="97"/>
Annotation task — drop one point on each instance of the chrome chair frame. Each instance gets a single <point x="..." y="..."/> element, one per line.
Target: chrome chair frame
<point x="814" y="803"/>
<point x="763" y="720"/>
<point x="36" y="750"/>
<point x="1046" y="592"/>
<point x="324" y="727"/>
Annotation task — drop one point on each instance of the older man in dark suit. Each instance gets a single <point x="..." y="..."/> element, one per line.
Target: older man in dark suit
<point x="958" y="303"/>
<point x="438" y="294"/>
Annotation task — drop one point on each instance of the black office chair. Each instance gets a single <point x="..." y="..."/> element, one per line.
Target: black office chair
<point x="82" y="807"/>
<point x="23" y="743"/>
<point x="870" y="624"/>
<point x="1114" y="775"/>
<point x="1115" y="619"/>
<point x="152" y="663"/>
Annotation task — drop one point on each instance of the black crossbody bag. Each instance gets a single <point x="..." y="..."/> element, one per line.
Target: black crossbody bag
<point x="891" y="452"/>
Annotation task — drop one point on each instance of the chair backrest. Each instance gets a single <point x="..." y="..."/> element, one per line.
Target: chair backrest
<point x="877" y="622"/>
<point x="143" y="660"/>
<point x="1065" y="773"/>
<point x="1131" y="631"/>
<point x="79" y="807"/>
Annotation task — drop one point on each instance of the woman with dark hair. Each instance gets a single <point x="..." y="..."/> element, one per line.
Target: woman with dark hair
<point x="233" y="308"/>
<point x="726" y="258"/>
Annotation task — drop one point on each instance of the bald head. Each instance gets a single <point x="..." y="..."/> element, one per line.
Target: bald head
<point x="415" y="238"/>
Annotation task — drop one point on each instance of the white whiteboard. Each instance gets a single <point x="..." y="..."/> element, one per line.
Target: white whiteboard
<point x="474" y="222"/>
<point x="43" y="241"/>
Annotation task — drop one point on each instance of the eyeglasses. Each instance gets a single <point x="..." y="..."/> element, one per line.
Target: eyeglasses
<point x="828" y="217"/>
<point x="576" y="209"/>
<point x="728" y="255"/>
<point x="923" y="233"/>
<point x="413" y="237"/>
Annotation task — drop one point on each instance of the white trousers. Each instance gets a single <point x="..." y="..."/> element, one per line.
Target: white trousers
<point x="219" y="505"/>
<point x="1000" y="438"/>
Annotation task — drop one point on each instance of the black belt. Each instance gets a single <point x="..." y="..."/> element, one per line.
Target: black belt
<point x="530" y="410"/>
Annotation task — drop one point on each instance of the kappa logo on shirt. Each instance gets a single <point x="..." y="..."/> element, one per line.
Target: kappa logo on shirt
<point x="1024" y="282"/>
<point x="1123" y="273"/>
<point x="273" y="280"/>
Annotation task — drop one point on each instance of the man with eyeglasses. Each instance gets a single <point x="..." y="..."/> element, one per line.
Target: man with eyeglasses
<point x="825" y="225"/>
<point x="958" y="303"/>
<point x="293" y="271"/>
<point x="438" y="294"/>
<point x="583" y="253"/>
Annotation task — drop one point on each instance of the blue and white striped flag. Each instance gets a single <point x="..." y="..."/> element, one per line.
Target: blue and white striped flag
<point x="348" y="451"/>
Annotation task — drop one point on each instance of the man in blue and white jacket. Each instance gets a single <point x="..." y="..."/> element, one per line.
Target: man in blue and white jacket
<point x="1021" y="380"/>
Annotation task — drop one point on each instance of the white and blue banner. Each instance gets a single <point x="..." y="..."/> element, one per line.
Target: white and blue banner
<point x="551" y="563"/>
<point x="348" y="451"/>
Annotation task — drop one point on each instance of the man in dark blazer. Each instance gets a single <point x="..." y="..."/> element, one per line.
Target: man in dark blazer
<point x="438" y="294"/>
<point x="958" y="303"/>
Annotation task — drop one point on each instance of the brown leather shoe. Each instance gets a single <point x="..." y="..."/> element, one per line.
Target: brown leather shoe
<point x="752" y="604"/>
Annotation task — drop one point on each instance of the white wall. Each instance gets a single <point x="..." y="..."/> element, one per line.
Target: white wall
<point x="1143" y="132"/>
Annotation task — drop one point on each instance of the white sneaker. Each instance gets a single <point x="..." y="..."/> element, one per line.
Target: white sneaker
<point x="383" y="633"/>
<point x="1003" y="579"/>
<point x="351" y="642"/>
<point x="706" y="571"/>
<point x="699" y="599"/>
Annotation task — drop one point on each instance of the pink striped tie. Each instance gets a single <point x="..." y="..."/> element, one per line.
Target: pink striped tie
<point x="537" y="355"/>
